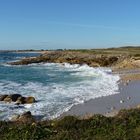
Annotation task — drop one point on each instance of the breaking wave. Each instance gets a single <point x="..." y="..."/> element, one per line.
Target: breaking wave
<point x="64" y="85"/>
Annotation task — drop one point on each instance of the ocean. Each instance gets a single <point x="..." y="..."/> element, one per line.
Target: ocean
<point x="56" y="87"/>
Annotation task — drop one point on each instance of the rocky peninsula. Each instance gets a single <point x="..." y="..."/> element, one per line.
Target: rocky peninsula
<point x="117" y="58"/>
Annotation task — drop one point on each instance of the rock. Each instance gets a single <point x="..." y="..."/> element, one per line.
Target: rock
<point x="14" y="97"/>
<point x="17" y="98"/>
<point x="128" y="98"/>
<point x="125" y="84"/>
<point x="138" y="106"/>
<point x="112" y="108"/>
<point x="20" y="100"/>
<point x="26" y="114"/>
<point x="8" y="99"/>
<point x="121" y="101"/>
<point x="15" y="117"/>
<point x="29" y="100"/>
<point x="2" y="97"/>
<point x="26" y="117"/>
<point x="94" y="64"/>
<point x="34" y="124"/>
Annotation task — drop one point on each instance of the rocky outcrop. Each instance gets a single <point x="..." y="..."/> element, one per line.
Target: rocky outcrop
<point x="11" y="98"/>
<point x="20" y="100"/>
<point x="128" y="63"/>
<point x="2" y="97"/>
<point x="72" y="57"/>
<point x="29" y="100"/>
<point x="24" y="118"/>
<point x="17" y="98"/>
<point x="116" y="58"/>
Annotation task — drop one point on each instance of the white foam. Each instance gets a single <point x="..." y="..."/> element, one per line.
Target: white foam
<point x="56" y="98"/>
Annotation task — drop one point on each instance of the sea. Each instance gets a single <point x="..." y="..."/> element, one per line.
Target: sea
<point x="56" y="87"/>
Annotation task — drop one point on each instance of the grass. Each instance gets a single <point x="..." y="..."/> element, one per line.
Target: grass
<point x="115" y="51"/>
<point x="124" y="126"/>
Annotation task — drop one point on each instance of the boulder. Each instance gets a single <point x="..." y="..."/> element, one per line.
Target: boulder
<point x="20" y="100"/>
<point x="17" y="98"/>
<point x="121" y="101"/>
<point x="29" y="100"/>
<point x="8" y="99"/>
<point x="11" y="98"/>
<point x="26" y="117"/>
<point x="14" y="97"/>
<point x="2" y="97"/>
<point x="15" y="117"/>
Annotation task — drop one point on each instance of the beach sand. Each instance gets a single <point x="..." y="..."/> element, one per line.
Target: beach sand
<point x="128" y="97"/>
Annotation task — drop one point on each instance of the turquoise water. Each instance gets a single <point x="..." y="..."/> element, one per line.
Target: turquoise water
<point x="56" y="87"/>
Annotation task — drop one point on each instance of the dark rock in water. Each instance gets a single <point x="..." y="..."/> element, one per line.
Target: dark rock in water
<point x="8" y="99"/>
<point x="17" y="98"/>
<point x="26" y="117"/>
<point x="121" y="101"/>
<point x="128" y="98"/>
<point x="113" y="108"/>
<point x="29" y="100"/>
<point x="26" y="114"/>
<point x="14" y="97"/>
<point x="2" y="97"/>
<point x="11" y="98"/>
<point x="25" y="100"/>
<point x="20" y="100"/>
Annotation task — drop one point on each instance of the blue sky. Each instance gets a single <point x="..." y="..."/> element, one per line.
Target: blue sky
<point x="53" y="24"/>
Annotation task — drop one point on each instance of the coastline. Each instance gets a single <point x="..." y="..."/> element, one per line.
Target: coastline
<point x="97" y="118"/>
<point x="127" y="98"/>
<point x="124" y="62"/>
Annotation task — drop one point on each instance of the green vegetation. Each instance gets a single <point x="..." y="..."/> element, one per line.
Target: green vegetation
<point x="124" y="126"/>
<point x="127" y="50"/>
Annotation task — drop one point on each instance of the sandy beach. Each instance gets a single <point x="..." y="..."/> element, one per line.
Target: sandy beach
<point x="128" y="97"/>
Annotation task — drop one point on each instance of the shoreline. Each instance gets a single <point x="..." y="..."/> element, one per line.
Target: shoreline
<point x="123" y="63"/>
<point x="127" y="98"/>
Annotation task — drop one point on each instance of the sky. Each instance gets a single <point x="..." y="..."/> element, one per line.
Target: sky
<point x="70" y="24"/>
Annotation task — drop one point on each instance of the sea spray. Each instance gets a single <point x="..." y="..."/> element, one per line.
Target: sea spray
<point x="56" y="87"/>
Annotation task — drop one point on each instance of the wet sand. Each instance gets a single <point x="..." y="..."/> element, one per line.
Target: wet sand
<point x="128" y="97"/>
